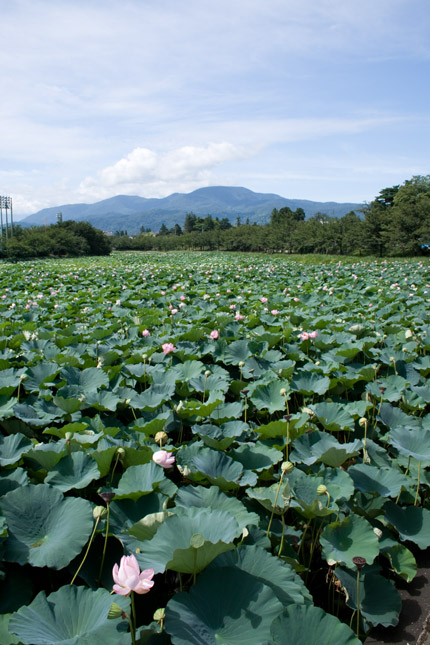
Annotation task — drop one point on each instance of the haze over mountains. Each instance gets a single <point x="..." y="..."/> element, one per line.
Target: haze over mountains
<point x="130" y="213"/>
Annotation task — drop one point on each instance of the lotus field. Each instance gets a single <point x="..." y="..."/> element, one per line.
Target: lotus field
<point x="211" y="449"/>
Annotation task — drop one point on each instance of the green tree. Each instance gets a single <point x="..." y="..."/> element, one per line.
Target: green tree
<point x="409" y="225"/>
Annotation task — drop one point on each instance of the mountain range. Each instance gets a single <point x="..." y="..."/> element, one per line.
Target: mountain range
<point x="131" y="213"/>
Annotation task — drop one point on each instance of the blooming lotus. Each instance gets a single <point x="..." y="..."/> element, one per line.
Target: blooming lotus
<point x="146" y="332"/>
<point x="128" y="577"/>
<point x="163" y="458"/>
<point x="168" y="348"/>
<point x="304" y="335"/>
<point x="214" y="334"/>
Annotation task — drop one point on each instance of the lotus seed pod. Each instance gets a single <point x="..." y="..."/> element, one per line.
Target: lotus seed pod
<point x="287" y="467"/>
<point x="362" y="422"/>
<point x="241" y="363"/>
<point x="99" y="512"/>
<point x="120" y="452"/>
<point x="144" y="357"/>
<point x="283" y="391"/>
<point x="359" y="562"/>
<point x="161" y="437"/>
<point x="68" y="436"/>
<point x="322" y="489"/>
<point x="207" y="373"/>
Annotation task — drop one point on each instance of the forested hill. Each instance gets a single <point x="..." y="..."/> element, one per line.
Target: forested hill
<point x="137" y="213"/>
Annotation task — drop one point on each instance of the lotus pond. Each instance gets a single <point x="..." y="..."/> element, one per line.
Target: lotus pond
<point x="254" y="430"/>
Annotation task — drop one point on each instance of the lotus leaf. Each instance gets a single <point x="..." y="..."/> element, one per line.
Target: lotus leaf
<point x="45" y="528"/>
<point x="345" y="540"/>
<point x="309" y="625"/>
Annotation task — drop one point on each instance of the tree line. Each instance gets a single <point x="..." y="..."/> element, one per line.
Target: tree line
<point x="396" y="223"/>
<point x="64" y="239"/>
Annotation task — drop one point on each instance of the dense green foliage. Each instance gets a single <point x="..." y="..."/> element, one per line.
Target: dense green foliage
<point x="64" y="239"/>
<point x="396" y="223"/>
<point x="295" y="399"/>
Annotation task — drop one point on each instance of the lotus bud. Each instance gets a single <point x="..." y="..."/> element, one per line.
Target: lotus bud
<point x="362" y="422"/>
<point x="377" y="532"/>
<point x="318" y="363"/>
<point x="207" y="373"/>
<point x="99" y="512"/>
<point x="392" y="359"/>
<point x="241" y="363"/>
<point x="287" y="467"/>
<point x="120" y="452"/>
<point x="159" y="614"/>
<point x="178" y="407"/>
<point x="283" y="391"/>
<point x="408" y="333"/>
<point x="144" y="357"/>
<point x="308" y="411"/>
<point x="23" y="377"/>
<point x="161" y="437"/>
<point x="322" y="489"/>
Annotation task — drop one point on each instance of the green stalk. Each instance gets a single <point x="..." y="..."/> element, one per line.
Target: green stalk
<point x="418" y="484"/>
<point x="105" y="542"/>
<point x="133" y="620"/>
<point x="86" y="552"/>
<point x="274" y="504"/>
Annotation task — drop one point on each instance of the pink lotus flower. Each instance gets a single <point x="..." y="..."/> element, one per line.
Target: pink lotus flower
<point x="304" y="335"/>
<point x="168" y="348"/>
<point x="163" y="458"/>
<point x="128" y="577"/>
<point x="274" y="312"/>
<point x="173" y="311"/>
<point x="313" y="334"/>
<point x="146" y="332"/>
<point x="214" y="334"/>
<point x="263" y="300"/>
<point x="238" y="317"/>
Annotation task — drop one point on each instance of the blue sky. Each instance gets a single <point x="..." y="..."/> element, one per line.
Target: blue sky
<point x="325" y="100"/>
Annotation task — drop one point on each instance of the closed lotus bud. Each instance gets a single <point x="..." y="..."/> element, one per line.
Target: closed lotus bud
<point x="144" y="357"/>
<point x="287" y="467"/>
<point x="241" y="363"/>
<point x="408" y="333"/>
<point x="68" y="436"/>
<point x="322" y="489"/>
<point x="283" y="391"/>
<point x="161" y="437"/>
<point x="120" y="452"/>
<point x="362" y="422"/>
<point x="377" y="532"/>
<point x="99" y="512"/>
<point x="207" y="373"/>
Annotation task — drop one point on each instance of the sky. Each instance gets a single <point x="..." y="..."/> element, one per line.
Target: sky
<point x="325" y="100"/>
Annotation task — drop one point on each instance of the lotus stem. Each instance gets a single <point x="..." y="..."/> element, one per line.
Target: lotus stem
<point x="418" y="484"/>
<point x="274" y="503"/>
<point x="105" y="542"/>
<point x="358" y="603"/>
<point x="132" y="621"/>
<point x="86" y="552"/>
<point x="281" y="546"/>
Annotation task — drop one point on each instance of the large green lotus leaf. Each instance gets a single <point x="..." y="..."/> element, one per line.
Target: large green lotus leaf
<point x="13" y="447"/>
<point x="198" y="409"/>
<point x="69" y="616"/>
<point x="227" y="411"/>
<point x="309" y="625"/>
<point x="380" y="602"/>
<point x="394" y="387"/>
<point x="401" y="559"/>
<point x="423" y="392"/>
<point x="352" y="537"/>
<point x="273" y="572"/>
<point x="297" y="425"/>
<point x="188" y="370"/>
<point x="9" y="380"/>
<point x="153" y="397"/>
<point x="76" y="470"/>
<point x="214" y="499"/>
<point x="221" y="470"/>
<point x="256" y="456"/>
<point x="270" y="498"/>
<point x="217" y="382"/>
<point x="103" y="400"/>
<point x="7" y="406"/>
<point x="321" y="446"/>
<point x="11" y="479"/>
<point x="189" y="541"/>
<point x="387" y="482"/>
<point x="237" y="352"/>
<point x="139" y="480"/>
<point x="103" y="457"/>
<point x="411" y="522"/>
<point x="333" y="416"/>
<point x="394" y="417"/>
<point x="339" y="483"/>
<point x="87" y="380"/>
<point x="412" y="443"/>
<point x="45" y="528"/>
<point x="42" y="374"/>
<point x="46" y="455"/>
<point x="226" y="606"/>
<point x="38" y="412"/>
<point x="269" y="396"/>
<point x="310" y="384"/>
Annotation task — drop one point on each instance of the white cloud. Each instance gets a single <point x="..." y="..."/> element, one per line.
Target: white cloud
<point x="151" y="174"/>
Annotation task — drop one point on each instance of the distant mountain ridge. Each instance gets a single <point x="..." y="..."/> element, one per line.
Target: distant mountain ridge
<point x="125" y="212"/>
